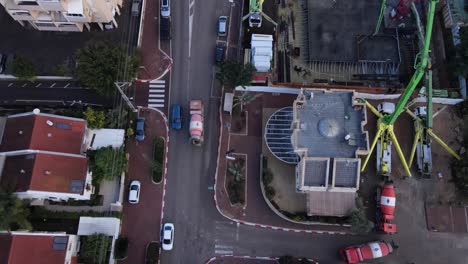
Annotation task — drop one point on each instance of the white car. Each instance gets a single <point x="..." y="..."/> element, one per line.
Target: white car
<point x="166" y="8"/>
<point x="134" y="192"/>
<point x="167" y="236"/>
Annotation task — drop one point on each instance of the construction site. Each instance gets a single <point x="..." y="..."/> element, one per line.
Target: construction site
<point x="384" y="52"/>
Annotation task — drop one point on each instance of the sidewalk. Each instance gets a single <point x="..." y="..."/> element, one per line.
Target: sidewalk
<point x="147" y="213"/>
<point x="256" y="210"/>
<point x="154" y="62"/>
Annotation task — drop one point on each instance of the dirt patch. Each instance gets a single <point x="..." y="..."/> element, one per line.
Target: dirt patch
<point x="239" y="122"/>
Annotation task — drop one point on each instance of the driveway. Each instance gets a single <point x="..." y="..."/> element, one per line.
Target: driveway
<point x="141" y="222"/>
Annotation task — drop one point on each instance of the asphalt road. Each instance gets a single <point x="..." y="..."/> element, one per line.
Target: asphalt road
<point x="200" y="231"/>
<point x="48" y="93"/>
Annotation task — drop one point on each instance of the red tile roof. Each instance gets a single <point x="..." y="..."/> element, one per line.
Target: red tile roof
<point x="34" y="132"/>
<point x="43" y="172"/>
<point x="37" y="249"/>
<point x="5" y="245"/>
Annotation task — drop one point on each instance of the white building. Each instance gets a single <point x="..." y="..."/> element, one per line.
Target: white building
<point x="63" y="15"/>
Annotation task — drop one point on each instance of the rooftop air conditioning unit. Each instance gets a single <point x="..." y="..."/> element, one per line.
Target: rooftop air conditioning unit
<point x="49" y="123"/>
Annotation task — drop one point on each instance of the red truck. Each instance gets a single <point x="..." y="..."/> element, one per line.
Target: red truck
<point x="386" y="201"/>
<point x="371" y="250"/>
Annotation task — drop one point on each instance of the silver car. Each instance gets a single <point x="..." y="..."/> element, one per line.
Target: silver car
<point x="166" y="8"/>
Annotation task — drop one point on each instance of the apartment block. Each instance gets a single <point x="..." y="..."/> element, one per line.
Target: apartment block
<point x="64" y="15"/>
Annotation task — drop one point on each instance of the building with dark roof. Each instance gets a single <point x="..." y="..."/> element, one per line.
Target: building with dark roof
<point x="38" y="248"/>
<point x="328" y="135"/>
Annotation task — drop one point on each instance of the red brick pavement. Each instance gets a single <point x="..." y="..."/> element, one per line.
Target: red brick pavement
<point x="256" y="210"/>
<point x="153" y="60"/>
<point x="141" y="222"/>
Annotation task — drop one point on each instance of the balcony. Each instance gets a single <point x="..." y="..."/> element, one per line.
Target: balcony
<point x="52" y="5"/>
<point x="24" y="15"/>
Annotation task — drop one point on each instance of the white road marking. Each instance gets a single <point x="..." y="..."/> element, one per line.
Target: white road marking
<point x="24" y="85"/>
<point x="157" y="81"/>
<point x="38" y="85"/>
<point x="156" y="91"/>
<point x="157" y="86"/>
<point x="10" y="84"/>
<point x="52" y="86"/>
<point x="156" y="100"/>
<point x="68" y="84"/>
<point x="156" y="95"/>
<point x="155" y="105"/>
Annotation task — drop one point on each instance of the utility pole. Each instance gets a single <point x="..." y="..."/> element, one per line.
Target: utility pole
<point x="119" y="86"/>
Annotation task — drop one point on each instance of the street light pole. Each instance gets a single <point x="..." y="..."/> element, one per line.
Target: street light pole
<point x="119" y="86"/>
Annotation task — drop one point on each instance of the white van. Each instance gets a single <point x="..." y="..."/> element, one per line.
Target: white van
<point x="222" y="26"/>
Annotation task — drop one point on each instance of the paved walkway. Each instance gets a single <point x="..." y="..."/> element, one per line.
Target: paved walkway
<point x="141" y="222"/>
<point x="154" y="61"/>
<point x="108" y="189"/>
<point x="256" y="210"/>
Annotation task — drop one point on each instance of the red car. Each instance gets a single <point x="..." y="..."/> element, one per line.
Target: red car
<point x="371" y="250"/>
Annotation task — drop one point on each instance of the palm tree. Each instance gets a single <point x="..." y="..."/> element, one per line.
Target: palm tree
<point x="237" y="170"/>
<point x="244" y="99"/>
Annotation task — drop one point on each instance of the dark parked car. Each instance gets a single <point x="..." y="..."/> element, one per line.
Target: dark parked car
<point x="220" y="49"/>
<point x="140" y="129"/>
<point x="176" y="122"/>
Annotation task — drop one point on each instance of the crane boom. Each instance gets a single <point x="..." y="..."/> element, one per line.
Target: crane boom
<point x="420" y="67"/>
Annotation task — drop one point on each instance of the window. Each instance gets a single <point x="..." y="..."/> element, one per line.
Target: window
<point x="63" y="125"/>
<point x="39" y="24"/>
<point x="76" y="186"/>
<point x="29" y="3"/>
<point x="60" y="243"/>
<point x="74" y="15"/>
<point x="20" y="13"/>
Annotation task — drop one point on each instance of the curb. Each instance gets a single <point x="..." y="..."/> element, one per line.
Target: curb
<point x="166" y="163"/>
<point x="248" y="257"/>
<point x="251" y="223"/>
<point x="239" y="257"/>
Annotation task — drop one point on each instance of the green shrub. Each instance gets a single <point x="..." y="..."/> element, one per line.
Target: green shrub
<point x="152" y="253"/>
<point x="95" y="248"/>
<point x="130" y="132"/>
<point x="270" y="192"/>
<point x="41" y="213"/>
<point x="94" y="119"/>
<point x="61" y="70"/>
<point x="358" y="220"/>
<point x="158" y="159"/>
<point x="23" y="68"/>
<point x="267" y="176"/>
<point x="107" y="163"/>
<point x="121" y="248"/>
<point x="235" y="192"/>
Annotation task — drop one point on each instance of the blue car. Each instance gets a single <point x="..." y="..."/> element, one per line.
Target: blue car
<point x="176" y="122"/>
<point x="140" y="129"/>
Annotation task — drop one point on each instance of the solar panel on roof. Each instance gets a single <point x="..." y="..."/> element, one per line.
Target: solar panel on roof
<point x="76" y="186"/>
<point x="278" y="135"/>
<point x="60" y="243"/>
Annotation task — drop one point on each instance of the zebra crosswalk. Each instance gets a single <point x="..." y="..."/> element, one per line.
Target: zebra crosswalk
<point x="157" y="93"/>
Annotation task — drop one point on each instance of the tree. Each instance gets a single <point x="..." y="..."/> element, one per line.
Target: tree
<point x="23" y="68"/>
<point x="101" y="64"/>
<point x="95" y="248"/>
<point x="286" y="260"/>
<point x="95" y="119"/>
<point x="358" y="220"/>
<point x="234" y="73"/>
<point x="237" y="170"/>
<point x="13" y="212"/>
<point x="244" y="98"/>
<point x="460" y="175"/>
<point x="107" y="163"/>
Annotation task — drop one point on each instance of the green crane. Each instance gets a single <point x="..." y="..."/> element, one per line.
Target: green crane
<point x="255" y="13"/>
<point x="423" y="117"/>
<point x="385" y="136"/>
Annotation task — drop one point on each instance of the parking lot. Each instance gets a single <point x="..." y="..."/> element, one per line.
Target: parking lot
<point x="49" y="49"/>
